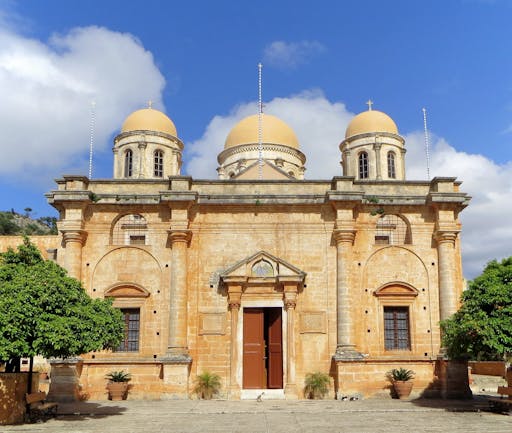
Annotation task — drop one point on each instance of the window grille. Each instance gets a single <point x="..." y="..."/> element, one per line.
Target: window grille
<point x="130" y="342"/>
<point x="363" y="165"/>
<point x="128" y="163"/>
<point x="130" y="230"/>
<point x="391" y="165"/>
<point x="159" y="163"/>
<point x="392" y="230"/>
<point x="396" y="328"/>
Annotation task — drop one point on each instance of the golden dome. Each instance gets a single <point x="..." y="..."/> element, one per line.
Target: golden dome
<point x="371" y="121"/>
<point x="149" y="119"/>
<point x="274" y="131"/>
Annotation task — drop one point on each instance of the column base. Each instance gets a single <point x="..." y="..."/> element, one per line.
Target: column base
<point x="176" y="372"/>
<point x="176" y="355"/>
<point x="347" y="353"/>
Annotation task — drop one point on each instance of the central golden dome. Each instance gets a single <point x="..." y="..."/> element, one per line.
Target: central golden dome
<point x="274" y="131"/>
<point x="371" y="121"/>
<point x="149" y="119"/>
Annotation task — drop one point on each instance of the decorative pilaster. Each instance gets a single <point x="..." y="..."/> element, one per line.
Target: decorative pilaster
<point x="177" y="348"/>
<point x="234" y="301"/>
<point x="448" y="295"/>
<point x="142" y="159"/>
<point x="73" y="240"/>
<point x="377" y="147"/>
<point x="345" y="348"/>
<point x="290" y="302"/>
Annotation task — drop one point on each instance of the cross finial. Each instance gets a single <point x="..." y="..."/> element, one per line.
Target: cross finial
<point x="150" y="104"/>
<point x="369" y="103"/>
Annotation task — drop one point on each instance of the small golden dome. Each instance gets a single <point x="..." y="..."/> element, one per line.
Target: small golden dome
<point x="371" y="121"/>
<point x="149" y="119"/>
<point x="274" y="131"/>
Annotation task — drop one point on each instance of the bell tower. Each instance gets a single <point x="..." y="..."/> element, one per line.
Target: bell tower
<point x="372" y="148"/>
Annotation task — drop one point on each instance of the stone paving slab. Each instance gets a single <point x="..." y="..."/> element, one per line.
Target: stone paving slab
<point x="192" y="416"/>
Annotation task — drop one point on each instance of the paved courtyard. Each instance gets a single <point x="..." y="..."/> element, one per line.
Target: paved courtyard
<point x="192" y="416"/>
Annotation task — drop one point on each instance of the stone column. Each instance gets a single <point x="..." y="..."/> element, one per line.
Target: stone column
<point x="177" y="348"/>
<point x="402" y="163"/>
<point x="234" y="300"/>
<point x="377" y="146"/>
<point x="142" y="160"/>
<point x="73" y="241"/>
<point x="448" y="293"/>
<point x="345" y="348"/>
<point x="290" y="302"/>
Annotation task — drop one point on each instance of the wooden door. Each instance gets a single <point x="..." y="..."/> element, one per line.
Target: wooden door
<point x="254" y="349"/>
<point x="275" y="348"/>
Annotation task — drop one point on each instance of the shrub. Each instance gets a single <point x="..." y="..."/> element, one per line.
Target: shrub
<point x="316" y="385"/>
<point x="207" y="385"/>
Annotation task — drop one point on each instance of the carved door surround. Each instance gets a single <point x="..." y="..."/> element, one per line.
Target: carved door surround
<point x="262" y="280"/>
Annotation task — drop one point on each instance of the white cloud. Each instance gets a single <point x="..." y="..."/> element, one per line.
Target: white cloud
<point x="285" y="55"/>
<point x="47" y="89"/>
<point x="486" y="232"/>
<point x="319" y="124"/>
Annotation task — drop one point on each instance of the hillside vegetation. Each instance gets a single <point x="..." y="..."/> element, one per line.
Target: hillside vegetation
<point x="14" y="223"/>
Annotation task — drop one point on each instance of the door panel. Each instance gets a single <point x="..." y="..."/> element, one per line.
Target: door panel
<point x="275" y="348"/>
<point x="254" y="349"/>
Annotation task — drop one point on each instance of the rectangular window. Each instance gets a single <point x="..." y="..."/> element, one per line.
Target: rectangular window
<point x="137" y="240"/>
<point x="131" y="330"/>
<point x="396" y="328"/>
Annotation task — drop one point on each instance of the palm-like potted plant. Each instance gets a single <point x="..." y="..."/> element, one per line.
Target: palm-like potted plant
<point x="401" y="378"/>
<point x="316" y="385"/>
<point x="118" y="385"/>
<point x="207" y="385"/>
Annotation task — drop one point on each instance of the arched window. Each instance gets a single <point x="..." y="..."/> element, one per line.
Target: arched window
<point x="130" y="230"/>
<point x="391" y="165"/>
<point x="392" y="230"/>
<point x="158" y="163"/>
<point x="128" y="163"/>
<point x="363" y="165"/>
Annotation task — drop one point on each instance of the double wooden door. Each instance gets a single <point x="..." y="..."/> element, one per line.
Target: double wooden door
<point x="263" y="348"/>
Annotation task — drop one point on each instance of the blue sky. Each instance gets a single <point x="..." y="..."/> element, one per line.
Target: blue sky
<point x="197" y="60"/>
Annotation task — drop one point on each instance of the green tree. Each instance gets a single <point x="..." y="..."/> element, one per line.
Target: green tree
<point x="482" y="328"/>
<point x="45" y="312"/>
<point x="7" y="224"/>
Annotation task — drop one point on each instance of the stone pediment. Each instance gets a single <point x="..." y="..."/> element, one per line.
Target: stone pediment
<point x="269" y="171"/>
<point x="126" y="290"/>
<point x="262" y="267"/>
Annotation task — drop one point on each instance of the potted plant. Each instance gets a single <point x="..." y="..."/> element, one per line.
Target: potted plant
<point x="118" y="385"/>
<point x="316" y="385"/>
<point x="401" y="380"/>
<point x="207" y="385"/>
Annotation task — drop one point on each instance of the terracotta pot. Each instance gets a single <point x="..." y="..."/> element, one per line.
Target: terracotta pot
<point x="117" y="390"/>
<point x="402" y="388"/>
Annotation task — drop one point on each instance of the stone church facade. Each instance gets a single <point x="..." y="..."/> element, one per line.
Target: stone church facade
<point x="261" y="276"/>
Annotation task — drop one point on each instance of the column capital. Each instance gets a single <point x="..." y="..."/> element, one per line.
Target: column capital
<point x="74" y="236"/>
<point x="235" y="297"/>
<point x="344" y="236"/>
<point x="446" y="236"/>
<point x="142" y="145"/>
<point x="179" y="235"/>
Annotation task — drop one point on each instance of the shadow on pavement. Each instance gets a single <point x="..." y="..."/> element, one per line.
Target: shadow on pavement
<point x="85" y="410"/>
